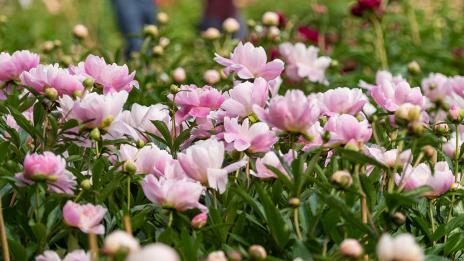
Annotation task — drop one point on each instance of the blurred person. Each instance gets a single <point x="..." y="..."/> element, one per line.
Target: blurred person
<point x="215" y="12"/>
<point x="132" y="16"/>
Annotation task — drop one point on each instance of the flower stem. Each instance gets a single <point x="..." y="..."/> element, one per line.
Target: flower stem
<point x="5" y="250"/>
<point x="379" y="42"/>
<point x="432" y="219"/>
<point x="127" y="216"/>
<point x="296" y="223"/>
<point x="93" y="246"/>
<point x="413" y="23"/>
<point x="456" y="155"/>
<point x="171" y="217"/>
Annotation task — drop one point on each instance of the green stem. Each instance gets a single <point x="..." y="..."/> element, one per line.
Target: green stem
<point x="296" y="223"/>
<point x="456" y="154"/>
<point x="79" y="195"/>
<point x="171" y="217"/>
<point x="432" y="219"/>
<point x="413" y="23"/>
<point x="5" y="249"/>
<point x="379" y="42"/>
<point x="128" y="194"/>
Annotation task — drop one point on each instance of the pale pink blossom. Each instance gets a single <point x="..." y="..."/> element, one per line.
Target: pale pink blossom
<point x="203" y="161"/>
<point x="391" y="92"/>
<point x="77" y="255"/>
<point x="147" y="160"/>
<point x="294" y="112"/>
<point x="156" y="251"/>
<point x="43" y="77"/>
<point x="48" y="255"/>
<point x="388" y="157"/>
<point x="436" y="87"/>
<point x="457" y="84"/>
<point x="255" y="138"/>
<point x="250" y="62"/>
<point x="303" y="62"/>
<point x="240" y="99"/>
<point x="168" y="192"/>
<point x="342" y="101"/>
<point x="449" y="148"/>
<point x="211" y="76"/>
<point x="49" y="168"/>
<point x="85" y="217"/>
<point x="346" y="129"/>
<point x="11" y="66"/>
<point x="440" y="181"/>
<point x="313" y="138"/>
<point x="112" y="77"/>
<point x="119" y="241"/>
<point x="269" y="159"/>
<point x="196" y="102"/>
<point x="217" y="256"/>
<point x="199" y="220"/>
<point x="403" y="247"/>
<point x="96" y="110"/>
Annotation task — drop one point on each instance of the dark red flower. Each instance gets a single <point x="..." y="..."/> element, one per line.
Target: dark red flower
<point x="282" y="20"/>
<point x="274" y="53"/>
<point x="309" y="34"/>
<point x="370" y="4"/>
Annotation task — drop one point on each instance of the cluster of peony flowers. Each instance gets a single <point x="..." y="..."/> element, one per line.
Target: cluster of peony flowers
<point x="248" y="123"/>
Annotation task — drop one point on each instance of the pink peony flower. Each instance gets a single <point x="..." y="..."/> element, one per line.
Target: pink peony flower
<point x="391" y="92"/>
<point x="449" y="148"/>
<point x="254" y="138"/>
<point x="199" y="220"/>
<point x="202" y="162"/>
<point x="43" y="77"/>
<point x="96" y="110"/>
<point x="436" y="87"/>
<point x="269" y="159"/>
<point x="293" y="112"/>
<point x="388" y="157"/>
<point x="120" y="241"/>
<point x="11" y="66"/>
<point x="457" y="84"/>
<point x="48" y="255"/>
<point x="196" y="102"/>
<point x="112" y="77"/>
<point x="50" y="168"/>
<point x="85" y="217"/>
<point x="346" y="129"/>
<point x="402" y="247"/>
<point x="303" y="62"/>
<point x="240" y="99"/>
<point x="342" y="101"/>
<point x="147" y="160"/>
<point x="77" y="255"/>
<point x="180" y="194"/>
<point x="440" y="181"/>
<point x="250" y="62"/>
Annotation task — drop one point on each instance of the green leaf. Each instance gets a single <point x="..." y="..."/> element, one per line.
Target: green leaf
<point x="355" y="156"/>
<point x="164" y="130"/>
<point x="38" y="113"/>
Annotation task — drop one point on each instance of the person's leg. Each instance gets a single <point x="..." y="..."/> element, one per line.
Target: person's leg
<point x="149" y="11"/>
<point x="216" y="11"/>
<point x="130" y="22"/>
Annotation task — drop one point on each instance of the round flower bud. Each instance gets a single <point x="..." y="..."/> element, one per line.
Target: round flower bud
<point x="211" y="33"/>
<point x="164" y="42"/>
<point x="120" y="242"/>
<point x="414" y="67"/>
<point x="48" y="46"/>
<point x="231" y="25"/>
<point x="163" y="18"/>
<point x="66" y="60"/>
<point x="418" y="128"/>
<point x="216" y="256"/>
<point x="95" y="134"/>
<point x="455" y="186"/>
<point x="455" y="114"/>
<point x="399" y="218"/>
<point x="294" y="202"/>
<point x="234" y="256"/>
<point x="408" y="112"/>
<point x="257" y="252"/>
<point x="88" y="83"/>
<point x="274" y="32"/>
<point x="129" y="167"/>
<point x="270" y="18"/>
<point x="441" y="129"/>
<point x="174" y="89"/>
<point x="151" y="30"/>
<point x="199" y="220"/>
<point x="86" y="184"/>
<point x="211" y="76"/>
<point x="342" y="179"/>
<point x="158" y="250"/>
<point x="80" y="31"/>
<point x="51" y="93"/>
<point x="158" y="50"/>
<point x="179" y="75"/>
<point x="57" y="43"/>
<point x="351" y="248"/>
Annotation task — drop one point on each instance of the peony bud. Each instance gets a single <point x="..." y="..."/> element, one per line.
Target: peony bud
<point x="216" y="256"/>
<point x="399" y="218"/>
<point x="174" y="89"/>
<point x="129" y="167"/>
<point x="151" y="31"/>
<point x="163" y="18"/>
<point x="257" y="252"/>
<point x="351" y="248"/>
<point x="86" y="184"/>
<point x="211" y="33"/>
<point x="120" y="242"/>
<point x="270" y="18"/>
<point x="441" y="129"/>
<point x="234" y="256"/>
<point x="211" y="76"/>
<point x="231" y="25"/>
<point x="88" y="83"/>
<point x="455" y="114"/>
<point x="418" y="128"/>
<point x="157" y="50"/>
<point x="164" y="42"/>
<point x="107" y="121"/>
<point x="408" y="112"/>
<point x="294" y="202"/>
<point x="430" y="152"/>
<point x="414" y="67"/>
<point x="274" y="32"/>
<point x="48" y="46"/>
<point x="179" y="75"/>
<point x="199" y="220"/>
<point x="95" y="134"/>
<point x="51" y="93"/>
<point x="342" y="179"/>
<point x="80" y="31"/>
